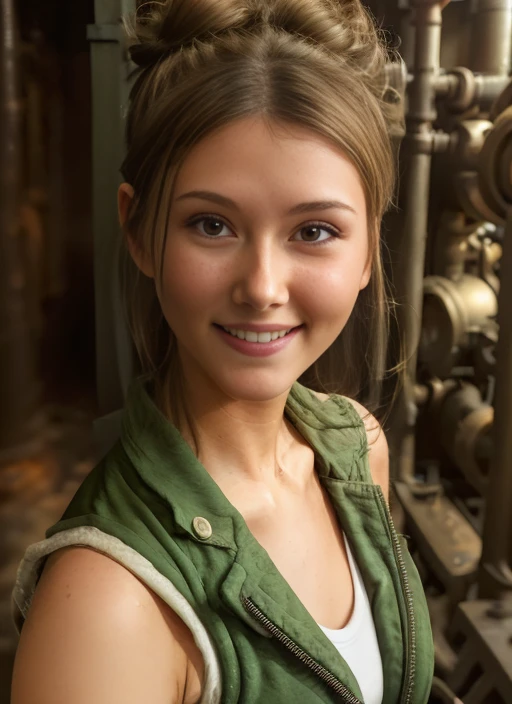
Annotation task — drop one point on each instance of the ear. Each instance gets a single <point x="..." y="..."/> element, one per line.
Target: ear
<point x="125" y="196"/>
<point x="367" y="271"/>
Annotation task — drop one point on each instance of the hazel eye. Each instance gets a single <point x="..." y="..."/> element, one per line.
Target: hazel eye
<point x="316" y="233"/>
<point x="312" y="233"/>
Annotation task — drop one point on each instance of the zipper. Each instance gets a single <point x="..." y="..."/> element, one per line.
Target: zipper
<point x="331" y="680"/>
<point x="410" y="669"/>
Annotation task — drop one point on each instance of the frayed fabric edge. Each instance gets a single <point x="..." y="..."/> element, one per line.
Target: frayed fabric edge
<point x="89" y="536"/>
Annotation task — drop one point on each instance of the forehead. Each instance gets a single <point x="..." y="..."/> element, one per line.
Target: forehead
<point x="262" y="156"/>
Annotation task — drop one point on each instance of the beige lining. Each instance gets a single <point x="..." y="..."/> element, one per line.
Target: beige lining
<point x="88" y="536"/>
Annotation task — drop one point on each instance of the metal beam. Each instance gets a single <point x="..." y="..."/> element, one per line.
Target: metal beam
<point x="110" y="70"/>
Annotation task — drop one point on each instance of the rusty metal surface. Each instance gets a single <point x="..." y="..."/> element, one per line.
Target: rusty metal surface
<point x="444" y="537"/>
<point x="496" y="571"/>
<point x="18" y="388"/>
<point x="465" y="551"/>
<point x="484" y="667"/>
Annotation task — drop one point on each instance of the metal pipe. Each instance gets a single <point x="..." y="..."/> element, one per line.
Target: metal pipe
<point x="410" y="275"/>
<point x="446" y="85"/>
<point x="427" y="22"/>
<point x="496" y="564"/>
<point x="418" y="145"/>
<point x="491" y="37"/>
<point x="18" y="390"/>
<point x="488" y="88"/>
<point x="407" y="33"/>
<point x="461" y="89"/>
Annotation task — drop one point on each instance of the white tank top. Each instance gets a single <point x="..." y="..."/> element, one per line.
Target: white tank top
<point x="357" y="641"/>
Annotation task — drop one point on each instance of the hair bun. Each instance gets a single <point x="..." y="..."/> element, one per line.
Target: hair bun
<point x="341" y="27"/>
<point x="161" y="28"/>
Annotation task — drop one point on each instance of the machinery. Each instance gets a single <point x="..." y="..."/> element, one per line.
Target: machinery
<point x="449" y="245"/>
<point x="451" y="261"/>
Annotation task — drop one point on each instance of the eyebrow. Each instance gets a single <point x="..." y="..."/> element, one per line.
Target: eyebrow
<point x="297" y="209"/>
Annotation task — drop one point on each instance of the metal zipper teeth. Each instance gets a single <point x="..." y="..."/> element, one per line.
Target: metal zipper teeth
<point x="327" y="677"/>
<point x="411" y="661"/>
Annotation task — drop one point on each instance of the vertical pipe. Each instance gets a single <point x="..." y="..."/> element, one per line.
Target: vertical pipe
<point x="418" y="145"/>
<point x="495" y="566"/>
<point x="407" y="34"/>
<point x="110" y="87"/>
<point x="491" y="37"/>
<point x="18" y="391"/>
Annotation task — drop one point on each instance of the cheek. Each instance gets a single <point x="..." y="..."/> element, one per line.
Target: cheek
<point x="189" y="282"/>
<point x="330" y="293"/>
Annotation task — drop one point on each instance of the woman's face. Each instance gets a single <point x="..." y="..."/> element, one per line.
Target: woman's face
<point x="267" y="232"/>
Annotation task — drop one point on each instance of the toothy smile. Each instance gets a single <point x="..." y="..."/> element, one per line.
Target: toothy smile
<point x="250" y="336"/>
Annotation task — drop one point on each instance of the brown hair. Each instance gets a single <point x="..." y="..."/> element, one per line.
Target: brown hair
<point x="204" y="63"/>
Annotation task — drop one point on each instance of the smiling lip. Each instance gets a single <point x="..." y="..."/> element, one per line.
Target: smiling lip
<point x="261" y="327"/>
<point x="258" y="349"/>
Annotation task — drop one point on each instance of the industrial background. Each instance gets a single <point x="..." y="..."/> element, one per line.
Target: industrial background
<point x="66" y="359"/>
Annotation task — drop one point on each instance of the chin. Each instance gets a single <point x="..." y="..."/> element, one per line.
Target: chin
<point x="255" y="386"/>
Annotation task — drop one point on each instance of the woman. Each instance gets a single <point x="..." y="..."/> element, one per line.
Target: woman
<point x="236" y="544"/>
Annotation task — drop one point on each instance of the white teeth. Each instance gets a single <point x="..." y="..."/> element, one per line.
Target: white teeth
<point x="256" y="336"/>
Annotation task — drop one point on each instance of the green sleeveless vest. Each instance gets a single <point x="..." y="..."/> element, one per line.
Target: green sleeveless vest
<point x="153" y="507"/>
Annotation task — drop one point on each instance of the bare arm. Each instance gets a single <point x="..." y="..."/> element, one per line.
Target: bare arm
<point x="95" y="633"/>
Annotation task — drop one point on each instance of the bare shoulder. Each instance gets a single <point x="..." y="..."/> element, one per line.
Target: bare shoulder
<point x="95" y="632"/>
<point x="377" y="443"/>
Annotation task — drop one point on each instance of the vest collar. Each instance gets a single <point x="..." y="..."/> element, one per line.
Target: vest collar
<point x="168" y="465"/>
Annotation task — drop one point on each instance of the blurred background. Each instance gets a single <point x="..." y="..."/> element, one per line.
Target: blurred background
<point x="47" y="328"/>
<point x="66" y="359"/>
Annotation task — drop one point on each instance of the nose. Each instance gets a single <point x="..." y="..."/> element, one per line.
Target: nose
<point x="261" y="276"/>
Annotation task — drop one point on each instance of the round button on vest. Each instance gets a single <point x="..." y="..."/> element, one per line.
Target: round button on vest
<point x="202" y="528"/>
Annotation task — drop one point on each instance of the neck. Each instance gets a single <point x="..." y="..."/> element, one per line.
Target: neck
<point x="240" y="439"/>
